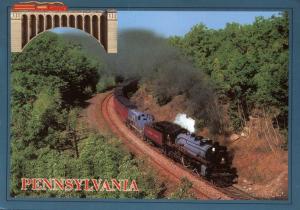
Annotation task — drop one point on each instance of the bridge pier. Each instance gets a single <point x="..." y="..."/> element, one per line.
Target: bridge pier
<point x="16" y="32"/>
<point x="102" y="25"/>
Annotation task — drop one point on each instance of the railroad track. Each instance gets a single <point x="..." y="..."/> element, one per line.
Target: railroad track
<point x="223" y="193"/>
<point x="237" y="194"/>
<point x="232" y="191"/>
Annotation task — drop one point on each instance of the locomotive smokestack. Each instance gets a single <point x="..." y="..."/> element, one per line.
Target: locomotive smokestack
<point x="185" y="122"/>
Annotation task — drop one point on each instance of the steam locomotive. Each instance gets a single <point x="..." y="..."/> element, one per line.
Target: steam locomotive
<point x="202" y="155"/>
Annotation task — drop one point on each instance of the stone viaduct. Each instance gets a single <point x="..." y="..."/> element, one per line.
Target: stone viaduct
<point x="102" y="25"/>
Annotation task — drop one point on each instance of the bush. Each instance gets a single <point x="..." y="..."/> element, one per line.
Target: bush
<point x="105" y="83"/>
<point x="183" y="190"/>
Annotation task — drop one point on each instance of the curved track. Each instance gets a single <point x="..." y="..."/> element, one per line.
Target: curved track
<point x="237" y="194"/>
<point x="174" y="171"/>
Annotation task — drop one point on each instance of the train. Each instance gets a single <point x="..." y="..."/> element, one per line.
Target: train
<point x="39" y="6"/>
<point x="205" y="157"/>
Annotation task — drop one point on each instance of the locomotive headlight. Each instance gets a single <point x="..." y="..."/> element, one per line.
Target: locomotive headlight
<point x="213" y="149"/>
<point x="223" y="160"/>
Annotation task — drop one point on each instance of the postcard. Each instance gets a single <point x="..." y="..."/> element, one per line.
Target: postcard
<point x="148" y="105"/>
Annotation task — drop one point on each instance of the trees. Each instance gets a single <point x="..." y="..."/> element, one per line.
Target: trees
<point x="50" y="79"/>
<point x="51" y="57"/>
<point x="248" y="64"/>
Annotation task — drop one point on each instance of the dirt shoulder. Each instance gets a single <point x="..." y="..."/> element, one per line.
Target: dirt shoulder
<point x="93" y="116"/>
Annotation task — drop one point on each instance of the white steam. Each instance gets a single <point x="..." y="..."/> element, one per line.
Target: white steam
<point x="185" y="122"/>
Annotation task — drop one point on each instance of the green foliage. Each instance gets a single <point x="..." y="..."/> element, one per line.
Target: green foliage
<point x="248" y="64"/>
<point x="200" y="124"/>
<point x="50" y="79"/>
<point x="100" y="157"/>
<point x="105" y="83"/>
<point x="284" y="132"/>
<point x="52" y="57"/>
<point x="183" y="190"/>
<point x="236" y="119"/>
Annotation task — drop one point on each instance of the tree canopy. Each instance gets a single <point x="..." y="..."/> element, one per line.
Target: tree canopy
<point x="248" y="64"/>
<point x="50" y="81"/>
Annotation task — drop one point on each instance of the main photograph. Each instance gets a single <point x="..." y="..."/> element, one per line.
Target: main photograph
<point x="185" y="105"/>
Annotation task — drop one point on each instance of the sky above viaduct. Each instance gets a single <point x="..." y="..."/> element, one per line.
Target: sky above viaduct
<point x="171" y="23"/>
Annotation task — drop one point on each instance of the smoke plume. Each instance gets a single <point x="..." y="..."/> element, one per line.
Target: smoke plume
<point x="185" y="122"/>
<point x="166" y="72"/>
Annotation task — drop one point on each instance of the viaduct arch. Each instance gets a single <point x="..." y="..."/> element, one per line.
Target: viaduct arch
<point x="102" y="25"/>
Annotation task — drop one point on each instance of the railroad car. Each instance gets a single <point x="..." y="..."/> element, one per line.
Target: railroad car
<point x="204" y="156"/>
<point x="162" y="133"/>
<point x="122" y="105"/>
<point x="137" y="120"/>
<point x="39" y="6"/>
<point x="121" y="102"/>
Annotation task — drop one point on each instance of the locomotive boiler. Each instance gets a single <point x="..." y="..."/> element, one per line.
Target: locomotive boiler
<point x="198" y="146"/>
